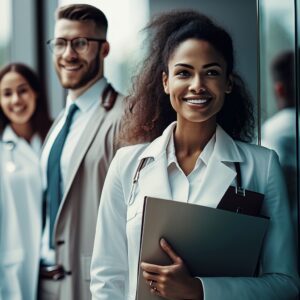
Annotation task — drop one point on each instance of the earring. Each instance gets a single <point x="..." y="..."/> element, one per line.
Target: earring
<point x="229" y="88"/>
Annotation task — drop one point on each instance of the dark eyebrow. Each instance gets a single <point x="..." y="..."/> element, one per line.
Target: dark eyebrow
<point x="215" y="64"/>
<point x="184" y="65"/>
<point x="19" y="86"/>
<point x="23" y="85"/>
<point x="205" y="66"/>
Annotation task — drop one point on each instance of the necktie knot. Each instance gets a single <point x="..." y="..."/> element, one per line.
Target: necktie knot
<point x="73" y="108"/>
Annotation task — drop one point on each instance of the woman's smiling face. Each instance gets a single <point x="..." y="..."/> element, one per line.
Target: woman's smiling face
<point x="197" y="81"/>
<point x="17" y="98"/>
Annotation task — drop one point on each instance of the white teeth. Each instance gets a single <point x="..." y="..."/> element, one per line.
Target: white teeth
<point x="197" y="101"/>
<point x="71" y="68"/>
<point x="18" y="109"/>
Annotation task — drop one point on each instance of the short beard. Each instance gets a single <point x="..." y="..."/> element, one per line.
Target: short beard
<point x="87" y="77"/>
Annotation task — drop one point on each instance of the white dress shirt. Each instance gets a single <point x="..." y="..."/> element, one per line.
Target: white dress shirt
<point x="184" y="188"/>
<point x="87" y="104"/>
<point x="21" y="215"/>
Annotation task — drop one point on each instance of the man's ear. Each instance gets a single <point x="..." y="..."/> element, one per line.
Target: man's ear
<point x="104" y="49"/>
<point x="165" y="82"/>
<point x="229" y="84"/>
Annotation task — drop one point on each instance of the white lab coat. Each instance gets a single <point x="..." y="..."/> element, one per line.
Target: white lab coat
<point x="21" y="216"/>
<point x="117" y="241"/>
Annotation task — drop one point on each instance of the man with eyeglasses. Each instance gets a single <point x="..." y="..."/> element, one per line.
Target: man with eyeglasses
<point x="77" y="152"/>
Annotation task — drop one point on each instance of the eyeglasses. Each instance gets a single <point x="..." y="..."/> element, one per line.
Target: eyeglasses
<point x="79" y="45"/>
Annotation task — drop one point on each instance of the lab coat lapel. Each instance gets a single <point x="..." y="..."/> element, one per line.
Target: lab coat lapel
<point x="220" y="171"/>
<point x="154" y="179"/>
<point x="216" y="181"/>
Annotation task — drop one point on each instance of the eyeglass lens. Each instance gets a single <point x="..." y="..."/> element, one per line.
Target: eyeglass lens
<point x="59" y="45"/>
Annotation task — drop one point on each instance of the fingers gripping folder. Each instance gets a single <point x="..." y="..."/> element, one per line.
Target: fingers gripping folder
<point x="212" y="242"/>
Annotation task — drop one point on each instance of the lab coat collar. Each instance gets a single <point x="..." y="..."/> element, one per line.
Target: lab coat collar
<point x="225" y="148"/>
<point x="219" y="175"/>
<point x="31" y="150"/>
<point x="10" y="136"/>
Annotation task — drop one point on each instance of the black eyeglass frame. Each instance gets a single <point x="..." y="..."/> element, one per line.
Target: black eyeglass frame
<point x="71" y="41"/>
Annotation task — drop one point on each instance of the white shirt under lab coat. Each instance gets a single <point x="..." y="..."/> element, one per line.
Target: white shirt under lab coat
<point x="21" y="216"/>
<point x="117" y="241"/>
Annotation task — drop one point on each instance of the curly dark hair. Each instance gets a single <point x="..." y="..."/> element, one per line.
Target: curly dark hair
<point x="148" y="110"/>
<point x="40" y="119"/>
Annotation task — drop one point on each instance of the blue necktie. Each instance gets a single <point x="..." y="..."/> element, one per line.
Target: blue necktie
<point x="54" y="193"/>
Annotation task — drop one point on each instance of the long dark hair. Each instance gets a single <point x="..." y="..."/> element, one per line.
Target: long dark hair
<point x="148" y="109"/>
<point x="40" y="119"/>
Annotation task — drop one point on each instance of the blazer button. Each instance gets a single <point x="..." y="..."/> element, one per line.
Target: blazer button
<point x="58" y="243"/>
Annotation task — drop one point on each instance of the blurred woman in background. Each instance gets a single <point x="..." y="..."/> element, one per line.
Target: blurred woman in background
<point x="24" y="122"/>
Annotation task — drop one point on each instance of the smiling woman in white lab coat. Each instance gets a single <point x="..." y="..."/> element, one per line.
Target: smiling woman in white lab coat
<point x="24" y="123"/>
<point x="190" y="71"/>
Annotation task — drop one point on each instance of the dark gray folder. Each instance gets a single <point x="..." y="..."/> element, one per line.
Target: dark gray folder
<point x="212" y="242"/>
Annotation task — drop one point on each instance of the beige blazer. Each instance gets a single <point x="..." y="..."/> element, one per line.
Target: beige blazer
<point x="76" y="219"/>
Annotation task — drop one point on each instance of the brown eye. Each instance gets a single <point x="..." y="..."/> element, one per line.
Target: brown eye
<point x="183" y="73"/>
<point x="6" y="93"/>
<point x="22" y="91"/>
<point x="80" y="44"/>
<point x="213" y="73"/>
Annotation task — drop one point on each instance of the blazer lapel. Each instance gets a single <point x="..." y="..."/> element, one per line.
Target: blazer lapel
<point x="85" y="141"/>
<point x="52" y="128"/>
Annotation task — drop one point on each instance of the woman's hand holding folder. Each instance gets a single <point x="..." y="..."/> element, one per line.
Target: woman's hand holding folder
<point x="172" y="281"/>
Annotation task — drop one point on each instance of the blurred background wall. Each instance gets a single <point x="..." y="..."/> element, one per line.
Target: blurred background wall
<point x="261" y="29"/>
<point x="26" y="25"/>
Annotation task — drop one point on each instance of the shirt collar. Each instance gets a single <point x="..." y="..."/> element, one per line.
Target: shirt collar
<point x="204" y="156"/>
<point x="89" y="98"/>
<point x="208" y="150"/>
<point x="171" y="156"/>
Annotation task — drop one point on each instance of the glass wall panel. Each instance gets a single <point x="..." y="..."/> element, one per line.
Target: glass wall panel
<point x="5" y="32"/>
<point x="277" y="81"/>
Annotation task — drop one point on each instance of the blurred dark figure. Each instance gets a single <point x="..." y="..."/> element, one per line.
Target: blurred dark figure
<point x="279" y="131"/>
